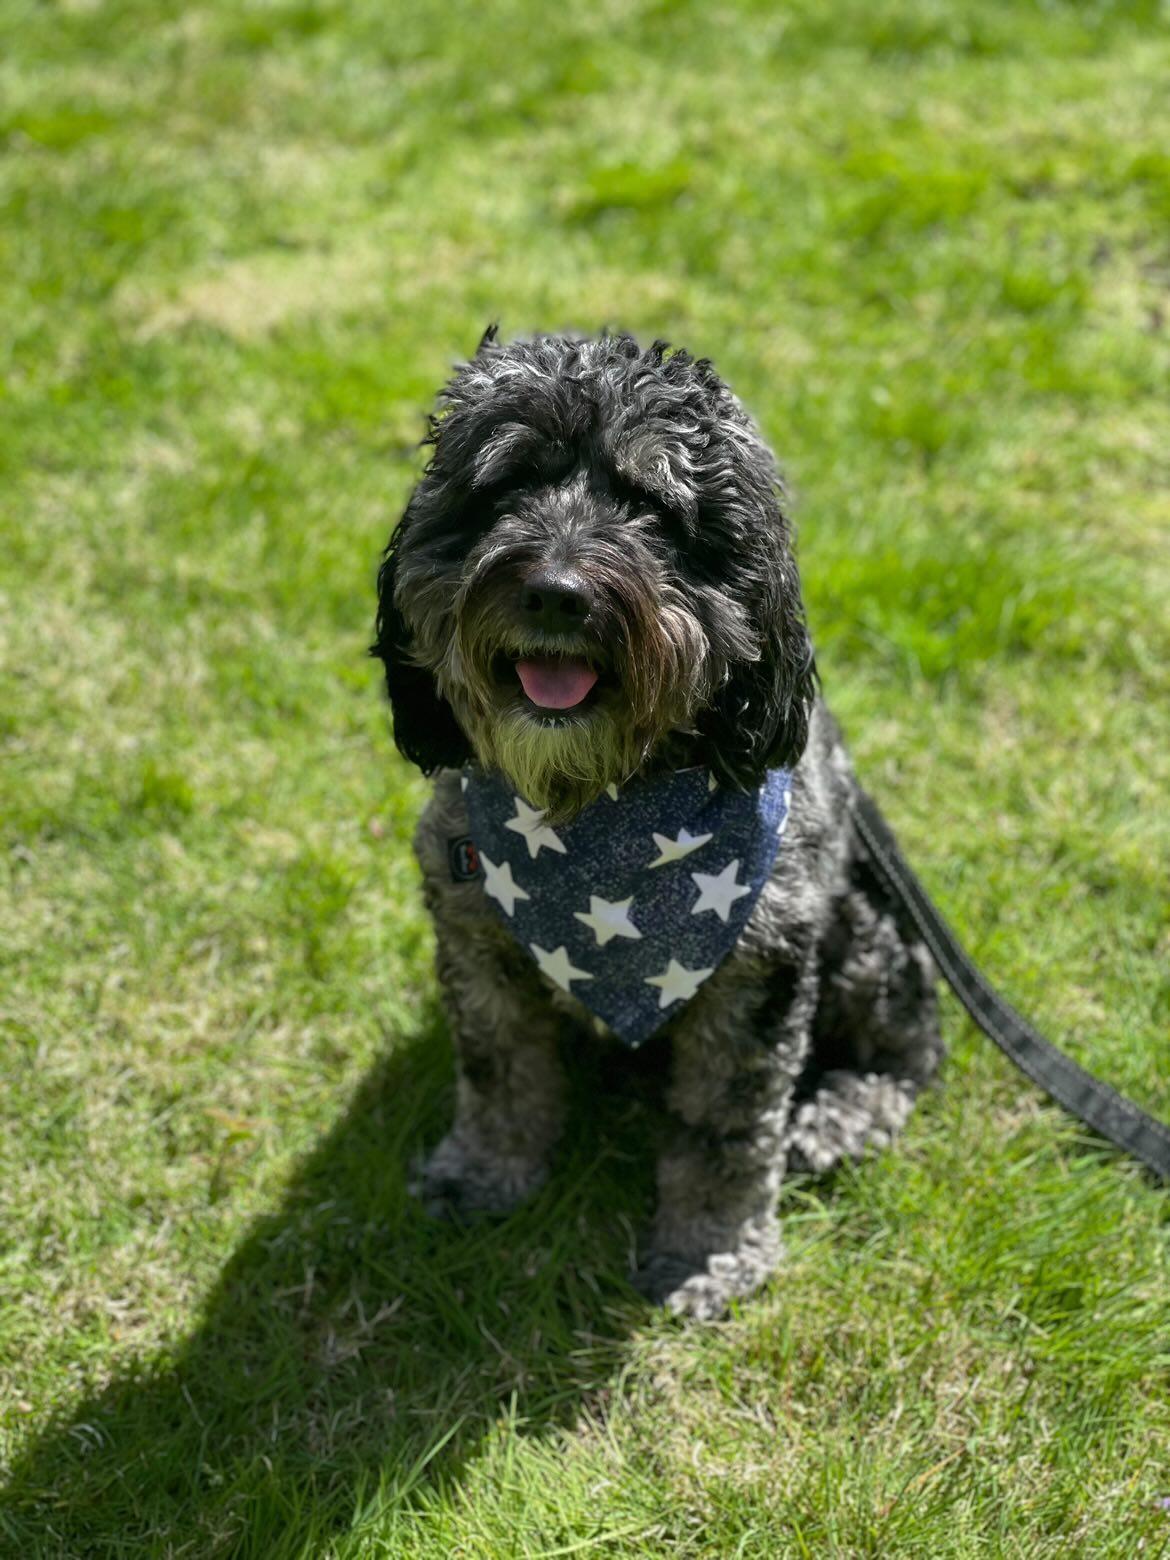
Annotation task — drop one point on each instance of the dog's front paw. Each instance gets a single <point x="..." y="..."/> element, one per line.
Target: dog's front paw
<point x="704" y="1288"/>
<point x="462" y="1179"/>
<point x="703" y="1284"/>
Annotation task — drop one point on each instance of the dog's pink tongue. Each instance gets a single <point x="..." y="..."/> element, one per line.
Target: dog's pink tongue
<point x="556" y="682"/>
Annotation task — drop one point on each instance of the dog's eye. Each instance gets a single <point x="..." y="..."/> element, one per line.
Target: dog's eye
<point x="639" y="499"/>
<point x="518" y="458"/>
<point x="678" y="525"/>
<point x="679" y="522"/>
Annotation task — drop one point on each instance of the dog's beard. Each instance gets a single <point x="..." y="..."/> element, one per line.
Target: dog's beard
<point x="655" y="672"/>
<point x="559" y="765"/>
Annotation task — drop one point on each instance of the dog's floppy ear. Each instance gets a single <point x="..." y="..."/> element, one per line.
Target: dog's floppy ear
<point x="758" y="719"/>
<point x="425" y="728"/>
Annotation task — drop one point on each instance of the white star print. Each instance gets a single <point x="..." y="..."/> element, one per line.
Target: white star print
<point x="499" y="883"/>
<point x="719" y="892"/>
<point x="557" y="967"/>
<point x="677" y="983"/>
<point x="529" y="822"/>
<point x="674" y="850"/>
<point x="606" y="919"/>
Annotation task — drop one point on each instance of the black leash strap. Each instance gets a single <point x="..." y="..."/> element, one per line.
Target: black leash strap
<point x="1091" y="1101"/>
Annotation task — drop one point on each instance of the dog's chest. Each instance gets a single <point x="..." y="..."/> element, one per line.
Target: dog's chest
<point x="634" y="903"/>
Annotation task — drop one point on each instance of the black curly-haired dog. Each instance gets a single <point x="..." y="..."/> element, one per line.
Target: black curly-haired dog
<point x="603" y="520"/>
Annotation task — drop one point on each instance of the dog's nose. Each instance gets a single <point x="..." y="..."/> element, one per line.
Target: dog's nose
<point x="555" y="597"/>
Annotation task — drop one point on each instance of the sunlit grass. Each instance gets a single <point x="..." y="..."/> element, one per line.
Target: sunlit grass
<point x="240" y="246"/>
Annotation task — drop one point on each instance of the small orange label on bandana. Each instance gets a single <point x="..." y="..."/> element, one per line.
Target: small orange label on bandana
<point x="464" y="859"/>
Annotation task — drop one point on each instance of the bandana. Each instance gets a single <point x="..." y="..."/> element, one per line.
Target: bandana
<point x="635" y="902"/>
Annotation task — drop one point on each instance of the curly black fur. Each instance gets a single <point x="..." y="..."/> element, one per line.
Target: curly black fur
<point x="637" y="477"/>
<point x="661" y="450"/>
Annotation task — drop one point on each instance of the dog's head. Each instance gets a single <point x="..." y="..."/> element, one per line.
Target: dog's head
<point x="593" y="576"/>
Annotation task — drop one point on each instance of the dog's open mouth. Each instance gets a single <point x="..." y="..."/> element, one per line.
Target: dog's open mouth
<point x="556" y="682"/>
<point x="553" y="682"/>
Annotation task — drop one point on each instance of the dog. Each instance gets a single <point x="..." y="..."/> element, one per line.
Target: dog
<point x="591" y="606"/>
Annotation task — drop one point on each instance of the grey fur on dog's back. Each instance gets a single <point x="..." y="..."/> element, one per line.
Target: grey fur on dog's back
<point x="638" y="474"/>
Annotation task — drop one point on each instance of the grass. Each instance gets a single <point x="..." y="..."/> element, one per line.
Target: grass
<point x="239" y="246"/>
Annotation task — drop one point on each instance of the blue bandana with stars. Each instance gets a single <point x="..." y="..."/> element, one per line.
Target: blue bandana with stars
<point x="636" y="901"/>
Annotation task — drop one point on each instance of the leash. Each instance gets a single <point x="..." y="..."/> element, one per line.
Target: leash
<point x="1109" y="1113"/>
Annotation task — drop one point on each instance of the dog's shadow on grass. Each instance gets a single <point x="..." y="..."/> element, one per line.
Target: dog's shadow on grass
<point x="353" y="1350"/>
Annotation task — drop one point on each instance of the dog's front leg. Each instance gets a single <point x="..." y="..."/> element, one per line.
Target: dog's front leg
<point x="737" y="1055"/>
<point x="508" y="1081"/>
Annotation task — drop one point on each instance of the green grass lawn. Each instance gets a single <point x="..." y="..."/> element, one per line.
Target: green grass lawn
<point x="240" y="245"/>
